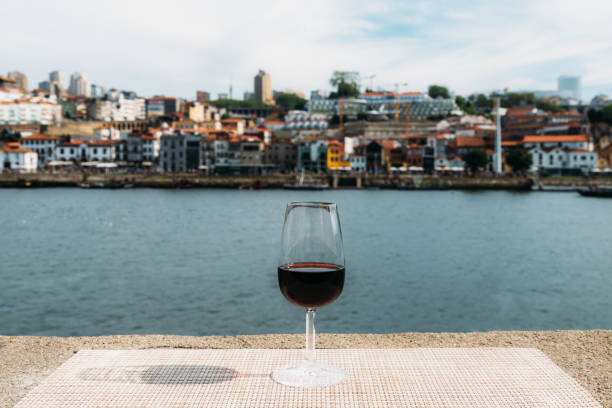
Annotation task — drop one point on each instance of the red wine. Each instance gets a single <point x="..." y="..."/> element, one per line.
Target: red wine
<point x="311" y="284"/>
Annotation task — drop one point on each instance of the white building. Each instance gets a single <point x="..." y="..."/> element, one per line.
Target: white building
<point x="16" y="158"/>
<point x="44" y="146"/>
<point x="100" y="150"/>
<point x="10" y="94"/>
<point x="559" y="152"/>
<point x="150" y="148"/>
<point x="72" y="150"/>
<point x="556" y="158"/>
<point x="32" y="110"/>
<point x="79" y="85"/>
<point x="358" y="163"/>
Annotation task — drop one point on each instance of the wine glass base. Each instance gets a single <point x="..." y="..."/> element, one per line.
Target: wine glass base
<point x="309" y="375"/>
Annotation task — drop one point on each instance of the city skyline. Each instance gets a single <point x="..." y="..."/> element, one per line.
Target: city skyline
<point x="472" y="48"/>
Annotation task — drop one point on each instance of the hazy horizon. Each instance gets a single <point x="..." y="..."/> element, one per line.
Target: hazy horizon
<point x="151" y="48"/>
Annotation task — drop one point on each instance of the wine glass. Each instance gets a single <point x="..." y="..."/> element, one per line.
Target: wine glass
<point x="311" y="275"/>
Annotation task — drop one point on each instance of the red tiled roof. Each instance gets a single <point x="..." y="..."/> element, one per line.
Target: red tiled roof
<point x="9" y="149"/>
<point x="507" y="143"/>
<point x="554" y="138"/>
<point x="469" y="141"/>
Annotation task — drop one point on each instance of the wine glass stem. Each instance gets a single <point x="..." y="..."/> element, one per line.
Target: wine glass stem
<point x="309" y="353"/>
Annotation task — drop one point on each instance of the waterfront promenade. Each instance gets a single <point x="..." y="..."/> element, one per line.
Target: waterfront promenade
<point x="584" y="355"/>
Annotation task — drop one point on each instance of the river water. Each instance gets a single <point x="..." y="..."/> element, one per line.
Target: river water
<point x="203" y="262"/>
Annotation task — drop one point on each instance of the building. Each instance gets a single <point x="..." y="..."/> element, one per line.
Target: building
<point x="312" y="155"/>
<point x="44" y="146"/>
<point x="21" y="80"/>
<point x="376" y="160"/>
<point x="202" y="96"/>
<point x="7" y="82"/>
<point x="79" y="85"/>
<point x="57" y="77"/>
<point x="569" y="86"/>
<point x="100" y="150"/>
<point x="336" y="160"/>
<point x="358" y="163"/>
<point x="71" y="150"/>
<point x="162" y="105"/>
<point x="263" y="88"/>
<point x="172" y="152"/>
<point x="252" y="155"/>
<point x="282" y="155"/>
<point x="29" y="111"/>
<point x="117" y="106"/>
<point x="13" y="157"/>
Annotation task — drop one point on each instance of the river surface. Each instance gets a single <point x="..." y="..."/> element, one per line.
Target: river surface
<point x="203" y="262"/>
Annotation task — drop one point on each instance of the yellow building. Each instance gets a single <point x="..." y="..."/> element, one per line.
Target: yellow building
<point x="335" y="157"/>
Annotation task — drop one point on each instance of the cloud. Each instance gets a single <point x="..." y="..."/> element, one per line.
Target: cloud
<point x="157" y="47"/>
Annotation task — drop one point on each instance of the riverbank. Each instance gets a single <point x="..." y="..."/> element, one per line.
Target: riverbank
<point x="586" y="355"/>
<point x="187" y="180"/>
<point x="277" y="181"/>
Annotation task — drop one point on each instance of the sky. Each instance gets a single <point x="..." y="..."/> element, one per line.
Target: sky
<point x="178" y="47"/>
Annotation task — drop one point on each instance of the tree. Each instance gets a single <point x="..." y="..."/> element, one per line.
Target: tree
<point x="606" y="114"/>
<point x="481" y="101"/>
<point x="346" y="83"/>
<point x="9" y="135"/>
<point x="595" y="115"/>
<point x="514" y="99"/>
<point x="464" y="105"/>
<point x="548" y="106"/>
<point x="290" y="101"/>
<point x="520" y="160"/>
<point x="475" y="160"/>
<point x="438" y="91"/>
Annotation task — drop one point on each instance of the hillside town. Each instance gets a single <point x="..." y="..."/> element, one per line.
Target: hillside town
<point x="353" y="129"/>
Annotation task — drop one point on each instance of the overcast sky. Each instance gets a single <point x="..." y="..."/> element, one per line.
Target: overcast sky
<point x="176" y="47"/>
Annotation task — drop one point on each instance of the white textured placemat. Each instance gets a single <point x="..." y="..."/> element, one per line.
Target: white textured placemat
<point x="418" y="377"/>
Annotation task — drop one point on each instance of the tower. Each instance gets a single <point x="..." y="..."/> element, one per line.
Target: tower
<point x="263" y="88"/>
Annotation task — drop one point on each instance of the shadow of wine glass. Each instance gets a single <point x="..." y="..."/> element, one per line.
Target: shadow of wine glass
<point x="160" y="374"/>
<point x="187" y="374"/>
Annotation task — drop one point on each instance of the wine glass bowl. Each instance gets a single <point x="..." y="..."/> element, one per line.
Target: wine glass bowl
<point x="311" y="275"/>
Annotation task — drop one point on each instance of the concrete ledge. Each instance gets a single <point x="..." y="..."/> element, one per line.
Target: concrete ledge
<point x="585" y="355"/>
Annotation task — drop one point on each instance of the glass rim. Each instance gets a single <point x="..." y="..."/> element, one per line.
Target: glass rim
<point x="311" y="204"/>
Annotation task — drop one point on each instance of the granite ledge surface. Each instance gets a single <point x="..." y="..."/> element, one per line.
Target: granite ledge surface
<point x="586" y="355"/>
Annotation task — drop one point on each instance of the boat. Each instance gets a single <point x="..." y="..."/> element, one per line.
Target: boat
<point x="596" y="191"/>
<point x="301" y="185"/>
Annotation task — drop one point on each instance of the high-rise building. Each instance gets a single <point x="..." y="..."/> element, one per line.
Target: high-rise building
<point x="79" y="85"/>
<point x="21" y="80"/>
<point x="58" y="78"/>
<point x="45" y="86"/>
<point x="263" y="88"/>
<point x="202" y="96"/>
<point x="569" y="86"/>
